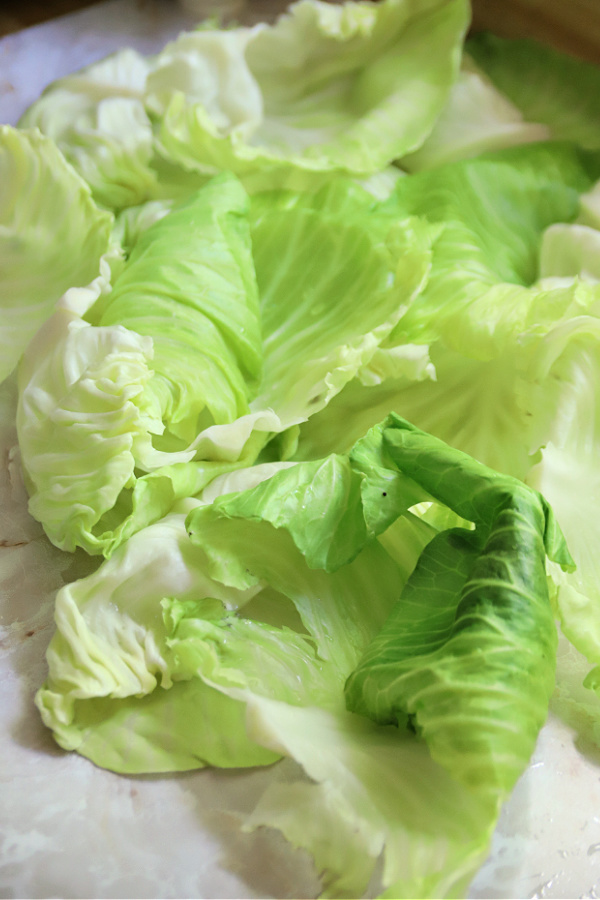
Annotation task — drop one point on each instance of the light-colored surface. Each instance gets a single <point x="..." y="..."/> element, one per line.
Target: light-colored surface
<point x="69" y="829"/>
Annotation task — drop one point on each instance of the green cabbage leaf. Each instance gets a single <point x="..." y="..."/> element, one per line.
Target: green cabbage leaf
<point x="105" y="427"/>
<point x="459" y="362"/>
<point x="52" y="236"/>
<point x="476" y="119"/>
<point x="549" y="87"/>
<point x="327" y="88"/>
<point x="98" y="120"/>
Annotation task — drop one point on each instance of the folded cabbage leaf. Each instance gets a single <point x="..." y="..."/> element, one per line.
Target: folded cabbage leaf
<point x="112" y="390"/>
<point x="328" y="88"/>
<point x="491" y="212"/>
<point x="476" y="119"/>
<point x="467" y="656"/>
<point x="189" y="285"/>
<point x="347" y="272"/>
<point x="52" y="236"/>
<point x="98" y="120"/>
<point x="565" y="422"/>
<point x="459" y="362"/>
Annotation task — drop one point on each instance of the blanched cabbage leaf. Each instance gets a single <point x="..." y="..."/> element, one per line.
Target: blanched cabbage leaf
<point x="476" y="119"/>
<point x="491" y="212"/>
<point x="347" y="271"/>
<point x="94" y="382"/>
<point x="566" y="424"/>
<point x="472" y="640"/>
<point x="52" y="236"/>
<point x="328" y="88"/>
<point x="482" y="314"/>
<point x="98" y="120"/>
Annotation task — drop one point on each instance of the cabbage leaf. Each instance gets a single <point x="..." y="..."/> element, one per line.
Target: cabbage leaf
<point x="326" y="89"/>
<point x="459" y="362"/>
<point x="549" y="87"/>
<point x="52" y="236"/>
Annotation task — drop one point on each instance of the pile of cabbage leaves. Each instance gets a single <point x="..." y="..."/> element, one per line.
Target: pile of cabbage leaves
<point x="305" y="324"/>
